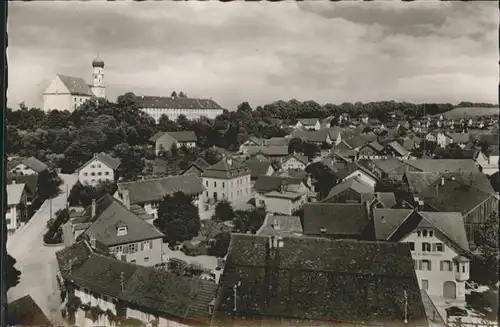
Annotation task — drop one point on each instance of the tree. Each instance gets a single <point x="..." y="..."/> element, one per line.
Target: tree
<point x="48" y="184"/>
<point x="131" y="165"/>
<point x="295" y="145"/>
<point x="311" y="150"/>
<point x="174" y="94"/>
<point x="182" y="95"/>
<point x="223" y="211"/>
<point x="324" y="177"/>
<point x="484" y="268"/>
<point x="249" y="221"/>
<point x="178" y="218"/>
<point x="82" y="195"/>
<point x="220" y="245"/>
<point x="13" y="275"/>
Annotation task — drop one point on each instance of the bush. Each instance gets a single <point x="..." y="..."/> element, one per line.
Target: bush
<point x="194" y="250"/>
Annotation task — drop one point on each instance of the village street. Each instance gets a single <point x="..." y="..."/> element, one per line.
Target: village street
<point x="36" y="262"/>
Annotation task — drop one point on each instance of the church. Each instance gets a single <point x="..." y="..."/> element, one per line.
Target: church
<point x="68" y="93"/>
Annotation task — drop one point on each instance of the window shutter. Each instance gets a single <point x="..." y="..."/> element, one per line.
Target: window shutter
<point x="441" y="264"/>
<point x="142" y="246"/>
<point x="420" y="265"/>
<point x="434" y="246"/>
<point x="430" y="268"/>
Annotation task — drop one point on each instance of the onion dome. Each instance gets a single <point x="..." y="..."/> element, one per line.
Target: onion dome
<point x="98" y="63"/>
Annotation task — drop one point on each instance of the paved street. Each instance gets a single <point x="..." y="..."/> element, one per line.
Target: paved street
<point x="37" y="262"/>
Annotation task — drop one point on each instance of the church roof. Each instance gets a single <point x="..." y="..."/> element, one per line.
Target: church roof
<point x="97" y="62"/>
<point x="75" y="85"/>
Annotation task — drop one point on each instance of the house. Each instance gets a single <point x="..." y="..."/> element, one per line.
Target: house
<point x="351" y="190"/>
<point x="25" y="312"/>
<point x="163" y="141"/>
<point x="128" y="294"/>
<point x="438" y="245"/>
<point x="358" y="171"/>
<point x="397" y="150"/>
<point x="274" y="152"/>
<point x="101" y="168"/>
<point x="252" y="142"/>
<point x="326" y="122"/>
<point x="442" y="165"/>
<point x="149" y="193"/>
<point x="124" y="231"/>
<point x="280" y="226"/>
<point x="265" y="184"/>
<point x="372" y="150"/>
<point x="196" y="168"/>
<point x="259" y="165"/>
<point x="298" y="281"/>
<point x="286" y="201"/>
<point x="31" y="182"/>
<point x="227" y="180"/>
<point x="382" y="200"/>
<point x="448" y="194"/>
<point x="431" y="137"/>
<point x="355" y="142"/>
<point x="29" y="166"/>
<point x="308" y="123"/>
<point x="387" y="168"/>
<point x="294" y="161"/>
<point x="488" y="163"/>
<point x="336" y="220"/>
<point x="175" y="106"/>
<point x="442" y="139"/>
<point x="319" y="136"/>
<point x="17" y="207"/>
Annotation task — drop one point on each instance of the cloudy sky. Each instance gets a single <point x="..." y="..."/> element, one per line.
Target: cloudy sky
<point x="423" y="51"/>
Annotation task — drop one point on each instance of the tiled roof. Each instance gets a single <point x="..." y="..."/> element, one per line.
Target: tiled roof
<point x="280" y="226"/>
<point x="495" y="181"/>
<point x="308" y="121"/>
<point x="76" y="85"/>
<point x="320" y="135"/>
<point x="351" y="168"/>
<point x="226" y="169"/>
<point x="104" y="158"/>
<point x="35" y="164"/>
<point x="270" y="150"/>
<point x="387" y="165"/>
<point x="31" y="181"/>
<point x="111" y="214"/>
<point x="176" y="103"/>
<point x="266" y="184"/>
<point x="386" y="221"/>
<point x="146" y="287"/>
<point x="351" y="183"/>
<point x="419" y="181"/>
<point x="336" y="218"/>
<point x="156" y="189"/>
<point x="25" y="312"/>
<point x="443" y="165"/>
<point x="308" y="277"/>
<point x="257" y="167"/>
<point x="297" y="156"/>
<point x="388" y="199"/>
<point x="14" y="193"/>
<point x="398" y="148"/>
<point x="184" y="136"/>
<point x="276" y="141"/>
<point x="356" y="141"/>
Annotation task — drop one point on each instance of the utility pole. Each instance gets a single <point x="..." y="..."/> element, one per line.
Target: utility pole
<point x="67" y="195"/>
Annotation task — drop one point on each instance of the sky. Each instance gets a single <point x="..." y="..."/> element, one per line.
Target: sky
<point x="423" y="51"/>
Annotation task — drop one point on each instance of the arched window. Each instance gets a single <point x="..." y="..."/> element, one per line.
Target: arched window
<point x="418" y="233"/>
<point x="424" y="233"/>
<point x="431" y="233"/>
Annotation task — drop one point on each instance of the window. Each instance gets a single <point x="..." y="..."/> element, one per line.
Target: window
<point x="438" y="247"/>
<point x="106" y="173"/>
<point x="8" y="221"/>
<point x="206" y="183"/>
<point x="92" y="166"/>
<point x="426" y="247"/>
<point x="122" y="230"/>
<point x="424" y="233"/>
<point x="412" y="246"/>
<point x="431" y="233"/>
<point x="146" y="259"/>
<point x="446" y="265"/>
<point x="85" y="174"/>
<point x="418" y="233"/>
<point x="99" y="174"/>
<point x="415" y="264"/>
<point x="98" y="165"/>
<point x="425" y="265"/>
<point x="425" y="284"/>
<point x="105" y="298"/>
<point x="215" y="184"/>
<point x="132" y="261"/>
<point x="92" y="173"/>
<point x="223" y="184"/>
<point x="463" y="268"/>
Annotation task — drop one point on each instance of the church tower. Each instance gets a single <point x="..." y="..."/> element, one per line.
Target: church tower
<point x="98" y="87"/>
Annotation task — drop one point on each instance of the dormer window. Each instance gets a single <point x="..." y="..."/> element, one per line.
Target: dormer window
<point x="122" y="230"/>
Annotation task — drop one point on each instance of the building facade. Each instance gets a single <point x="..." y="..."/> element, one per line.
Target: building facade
<point x="101" y="168"/>
<point x="16" y="206"/>
<point x="68" y="92"/>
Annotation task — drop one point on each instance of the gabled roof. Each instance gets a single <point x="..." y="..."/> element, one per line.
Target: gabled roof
<point x="146" y="287"/>
<point x="25" y="312"/>
<point x="257" y="167"/>
<point x="31" y="181"/>
<point x="356" y="141"/>
<point x="281" y="141"/>
<point x="280" y="226"/>
<point x="336" y="218"/>
<point x="443" y="165"/>
<point x="149" y="190"/>
<point x="104" y="158"/>
<point x="175" y="103"/>
<point x="351" y="183"/>
<point x="351" y="168"/>
<point x="297" y="156"/>
<point x="183" y="136"/>
<point x="226" y="169"/>
<point x="376" y="146"/>
<point x="318" y="136"/>
<point x="398" y="148"/>
<point x="76" y="85"/>
<point x="14" y="193"/>
<point x="310" y="276"/>
<point x="111" y="214"/>
<point x="419" y="180"/>
<point x="387" y="199"/>
<point x="35" y="164"/>
<point x="387" y="165"/>
<point x="273" y="183"/>
<point x="308" y="121"/>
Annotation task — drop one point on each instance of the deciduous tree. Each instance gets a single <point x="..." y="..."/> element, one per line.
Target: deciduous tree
<point x="223" y="211"/>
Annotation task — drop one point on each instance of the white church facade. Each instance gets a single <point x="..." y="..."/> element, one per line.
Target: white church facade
<point x="68" y="93"/>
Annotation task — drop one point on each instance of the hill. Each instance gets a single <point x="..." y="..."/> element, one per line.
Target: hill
<point x="471" y="111"/>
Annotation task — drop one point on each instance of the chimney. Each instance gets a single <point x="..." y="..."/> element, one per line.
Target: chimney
<point x="13" y="181"/>
<point x="126" y="199"/>
<point x="93" y="213"/>
<point x="92" y="241"/>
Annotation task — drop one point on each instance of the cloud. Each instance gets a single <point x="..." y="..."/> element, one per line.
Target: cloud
<point x="260" y="52"/>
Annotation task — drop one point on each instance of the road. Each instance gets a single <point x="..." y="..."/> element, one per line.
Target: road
<point x="36" y="262"/>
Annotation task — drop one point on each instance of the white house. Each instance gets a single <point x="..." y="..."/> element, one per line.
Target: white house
<point x="68" y="93"/>
<point x="16" y="206"/>
<point x="29" y="166"/>
<point x="308" y="123"/>
<point x="165" y="140"/>
<point x="175" y="106"/>
<point x="438" y="245"/>
<point x="294" y="161"/>
<point x="289" y="199"/>
<point x="487" y="163"/>
<point x="227" y="180"/>
<point x="101" y="168"/>
<point x="353" y="170"/>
